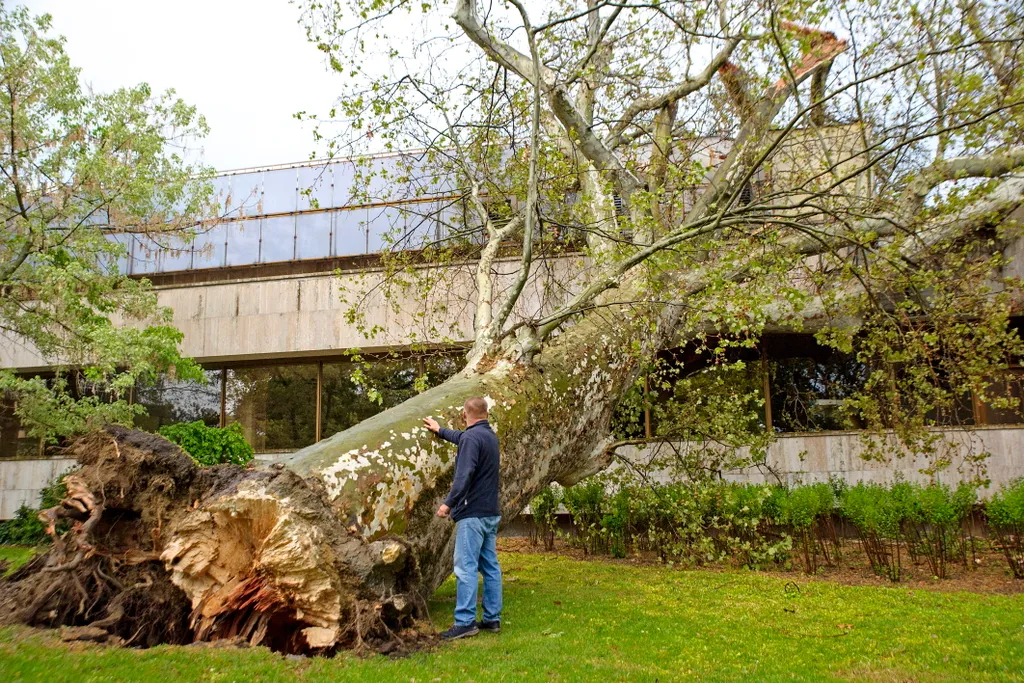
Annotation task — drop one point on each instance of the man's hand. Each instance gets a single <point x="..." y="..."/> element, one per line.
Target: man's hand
<point x="431" y="424"/>
<point x="443" y="510"/>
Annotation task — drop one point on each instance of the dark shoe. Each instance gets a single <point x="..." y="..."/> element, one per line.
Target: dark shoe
<point x="456" y="632"/>
<point x="490" y="626"/>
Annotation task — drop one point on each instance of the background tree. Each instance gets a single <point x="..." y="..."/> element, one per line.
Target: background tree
<point x="80" y="172"/>
<point x="724" y="170"/>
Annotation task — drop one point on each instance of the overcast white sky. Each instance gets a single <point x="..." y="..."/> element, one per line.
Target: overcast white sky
<point x="245" y="64"/>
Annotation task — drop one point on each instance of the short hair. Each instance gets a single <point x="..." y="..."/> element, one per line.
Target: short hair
<point x="476" y="407"/>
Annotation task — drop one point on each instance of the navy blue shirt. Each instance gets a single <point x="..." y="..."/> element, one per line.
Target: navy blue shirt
<point x="475" y="489"/>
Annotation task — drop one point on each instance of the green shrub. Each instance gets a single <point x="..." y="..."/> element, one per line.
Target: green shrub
<point x="692" y="523"/>
<point x="26" y="528"/>
<point x="1005" y="513"/>
<point x="699" y="522"/>
<point x="615" y="525"/>
<point x="545" y="510"/>
<point x="775" y="505"/>
<point x="586" y="502"/>
<point x="808" y="511"/>
<point x="210" y="445"/>
<point x="740" y="519"/>
<point x="878" y="513"/>
<point x="933" y="520"/>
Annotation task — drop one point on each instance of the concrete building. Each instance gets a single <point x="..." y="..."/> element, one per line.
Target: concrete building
<point x="259" y="300"/>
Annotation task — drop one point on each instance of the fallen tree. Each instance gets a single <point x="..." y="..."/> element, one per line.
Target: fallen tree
<point x="337" y="545"/>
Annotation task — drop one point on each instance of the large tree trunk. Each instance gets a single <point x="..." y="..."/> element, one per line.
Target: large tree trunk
<point x="334" y="545"/>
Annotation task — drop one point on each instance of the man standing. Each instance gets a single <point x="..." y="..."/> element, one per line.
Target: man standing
<point x="473" y="505"/>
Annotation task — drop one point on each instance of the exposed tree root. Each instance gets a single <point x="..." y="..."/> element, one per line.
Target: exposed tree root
<point x="163" y="551"/>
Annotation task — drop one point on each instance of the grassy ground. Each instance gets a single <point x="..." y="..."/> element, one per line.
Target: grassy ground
<point x="15" y="556"/>
<point x="567" y="620"/>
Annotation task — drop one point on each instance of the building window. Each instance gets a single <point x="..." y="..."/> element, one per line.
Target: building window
<point x="276" y="406"/>
<point x="808" y="392"/>
<point x="170" y="401"/>
<point x="1008" y="389"/>
<point x="384" y="384"/>
<point x="14" y="439"/>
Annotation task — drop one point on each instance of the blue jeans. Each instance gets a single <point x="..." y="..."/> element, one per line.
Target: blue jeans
<point x="475" y="552"/>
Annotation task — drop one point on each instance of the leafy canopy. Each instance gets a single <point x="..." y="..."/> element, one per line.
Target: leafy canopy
<point x="81" y="171"/>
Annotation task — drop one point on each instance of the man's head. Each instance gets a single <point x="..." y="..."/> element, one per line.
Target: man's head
<point x="474" y="410"/>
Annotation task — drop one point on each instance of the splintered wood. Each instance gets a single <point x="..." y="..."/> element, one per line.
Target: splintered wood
<point x="247" y="562"/>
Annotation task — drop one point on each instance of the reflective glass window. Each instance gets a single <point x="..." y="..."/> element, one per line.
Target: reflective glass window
<point x="386" y="226"/>
<point x="120" y="262"/>
<point x="243" y="242"/>
<point x="280" y="189"/>
<point x="343" y="172"/>
<point x="161" y="253"/>
<point x="461" y="224"/>
<point x="313" y="235"/>
<point x="960" y="413"/>
<point x="278" y="239"/>
<point x="145" y="255"/>
<point x="170" y="401"/>
<point x="378" y="179"/>
<point x="426" y="175"/>
<point x="807" y="393"/>
<point x="276" y="406"/>
<point x="209" y="247"/>
<point x="350" y="232"/>
<point x="14" y="439"/>
<point x="315" y="187"/>
<point x="246" y="194"/>
<point x="222" y="193"/>
<point x="174" y="252"/>
<point x="422" y="225"/>
<point x="345" y="403"/>
<point x="1009" y="391"/>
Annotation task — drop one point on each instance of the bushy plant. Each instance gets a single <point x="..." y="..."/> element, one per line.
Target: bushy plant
<point x="586" y="503"/>
<point x="692" y="523"/>
<point x="616" y="523"/>
<point x="879" y="513"/>
<point x="696" y="522"/>
<point x="679" y="528"/>
<point x="933" y="518"/>
<point x="210" y="445"/>
<point x="26" y="528"/>
<point x="1006" y="516"/>
<point x="740" y="517"/>
<point x="545" y="515"/>
<point x="808" y="511"/>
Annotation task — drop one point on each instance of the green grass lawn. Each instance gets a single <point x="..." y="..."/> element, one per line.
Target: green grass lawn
<point x="15" y="555"/>
<point x="567" y="620"/>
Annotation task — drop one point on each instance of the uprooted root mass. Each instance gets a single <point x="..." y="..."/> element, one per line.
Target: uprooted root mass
<point x="161" y="550"/>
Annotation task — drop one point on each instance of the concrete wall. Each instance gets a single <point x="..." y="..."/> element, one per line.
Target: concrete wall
<point x="808" y="458"/>
<point x="21" y="481"/>
<point x="297" y="315"/>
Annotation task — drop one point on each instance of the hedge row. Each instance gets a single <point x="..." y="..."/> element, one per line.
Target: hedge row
<point x="755" y="526"/>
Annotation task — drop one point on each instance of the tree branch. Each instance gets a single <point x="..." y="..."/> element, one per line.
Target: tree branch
<point x="674" y="94"/>
<point x="467" y="17"/>
<point x="990" y="166"/>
